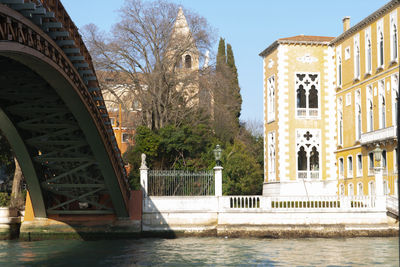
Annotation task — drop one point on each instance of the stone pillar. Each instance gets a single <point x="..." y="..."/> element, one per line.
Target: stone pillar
<point x="218" y="180"/>
<point x="144" y="175"/>
<point x="380" y="202"/>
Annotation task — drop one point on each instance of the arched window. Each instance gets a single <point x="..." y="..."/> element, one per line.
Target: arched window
<point x="341" y="189"/>
<point x="188" y="61"/>
<point x="339" y="74"/>
<point x="384" y="160"/>
<point x="395" y="95"/>
<point x="301" y="97"/>
<point x="351" y="190"/>
<point x="314" y="159"/>
<point x="360" y="191"/>
<point x="271" y="156"/>
<point x="370" y="116"/>
<point x="307" y="87"/>
<point x="313" y="97"/>
<point x="301" y="159"/>
<point x="385" y="188"/>
<point x="394" y="40"/>
<point x="358" y="121"/>
<point x="357" y="62"/>
<point x="381" y="49"/>
<point x="369" y="56"/>
<point x="371" y="188"/>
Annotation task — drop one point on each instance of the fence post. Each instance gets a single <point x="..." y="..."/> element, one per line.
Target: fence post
<point x="218" y="180"/>
<point x="144" y="176"/>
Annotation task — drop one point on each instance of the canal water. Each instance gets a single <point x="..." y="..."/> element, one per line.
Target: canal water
<point x="203" y="252"/>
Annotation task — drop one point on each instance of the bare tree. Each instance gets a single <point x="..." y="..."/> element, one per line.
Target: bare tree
<point x="147" y="51"/>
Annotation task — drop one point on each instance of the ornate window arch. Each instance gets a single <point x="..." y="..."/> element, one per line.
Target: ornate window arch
<point x="271" y="156"/>
<point x="307" y="94"/>
<point x="371" y="188"/>
<point x="271" y="98"/>
<point x="341" y="190"/>
<point x="308" y="153"/>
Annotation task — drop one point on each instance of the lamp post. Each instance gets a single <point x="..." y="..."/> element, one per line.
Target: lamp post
<point x="218" y="171"/>
<point x="380" y="202"/>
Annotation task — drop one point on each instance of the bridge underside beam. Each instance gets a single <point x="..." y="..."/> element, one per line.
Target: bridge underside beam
<point x="69" y="176"/>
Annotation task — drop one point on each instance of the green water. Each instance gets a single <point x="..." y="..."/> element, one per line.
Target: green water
<point x="203" y="252"/>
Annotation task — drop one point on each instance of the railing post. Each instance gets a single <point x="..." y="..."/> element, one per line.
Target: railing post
<point x="144" y="176"/>
<point x="218" y="180"/>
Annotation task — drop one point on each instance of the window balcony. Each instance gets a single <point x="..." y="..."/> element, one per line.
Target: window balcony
<point x="307" y="112"/>
<point x="308" y="175"/>
<point x="378" y="135"/>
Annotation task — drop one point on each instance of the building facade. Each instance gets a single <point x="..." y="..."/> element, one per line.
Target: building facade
<point x="328" y="103"/>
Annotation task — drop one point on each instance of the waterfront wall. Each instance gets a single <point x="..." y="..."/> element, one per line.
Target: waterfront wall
<point x="252" y="215"/>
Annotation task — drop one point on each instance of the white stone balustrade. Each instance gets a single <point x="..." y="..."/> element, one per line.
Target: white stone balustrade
<point x="378" y="135"/>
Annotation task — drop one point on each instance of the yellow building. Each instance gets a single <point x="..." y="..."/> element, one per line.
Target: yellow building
<point x="367" y="67"/>
<point x="328" y="103"/>
<point x="299" y="111"/>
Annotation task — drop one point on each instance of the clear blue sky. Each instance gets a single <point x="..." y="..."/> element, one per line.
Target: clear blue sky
<point x="249" y="26"/>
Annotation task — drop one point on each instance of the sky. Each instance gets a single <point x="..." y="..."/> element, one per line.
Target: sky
<point x="249" y="26"/>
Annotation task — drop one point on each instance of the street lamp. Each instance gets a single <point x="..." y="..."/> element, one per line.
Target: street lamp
<point x="217" y="154"/>
<point x="378" y="154"/>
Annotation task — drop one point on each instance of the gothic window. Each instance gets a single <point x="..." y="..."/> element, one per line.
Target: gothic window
<point x="341" y="189"/>
<point x="395" y="94"/>
<point x="339" y="74"/>
<point x="341" y="168"/>
<point x="340" y="128"/>
<point x="370" y="111"/>
<point x="351" y="189"/>
<point x="358" y="116"/>
<point x="359" y="165"/>
<point x="358" y="122"/>
<point x="307" y="98"/>
<point x="188" y="61"/>
<point x="349" y="166"/>
<point x="271" y="99"/>
<point x="394" y="39"/>
<point x="384" y="161"/>
<point x="368" y="51"/>
<point x="382" y="104"/>
<point x="271" y="156"/>
<point x="371" y="188"/>
<point x="380" y="47"/>
<point x="356" y="57"/>
<point x="393" y="36"/>
<point x="370" y="163"/>
<point x="302" y="159"/>
<point x="360" y="189"/>
<point x="308" y="154"/>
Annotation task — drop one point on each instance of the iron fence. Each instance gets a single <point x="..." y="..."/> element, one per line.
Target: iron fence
<point x="180" y="183"/>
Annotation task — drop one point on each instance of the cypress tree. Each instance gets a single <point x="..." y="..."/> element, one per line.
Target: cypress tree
<point x="235" y="81"/>
<point x="221" y="56"/>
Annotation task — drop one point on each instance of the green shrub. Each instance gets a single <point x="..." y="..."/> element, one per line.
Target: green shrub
<point x="4" y="199"/>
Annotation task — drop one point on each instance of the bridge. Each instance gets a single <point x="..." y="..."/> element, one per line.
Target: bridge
<point x="53" y="114"/>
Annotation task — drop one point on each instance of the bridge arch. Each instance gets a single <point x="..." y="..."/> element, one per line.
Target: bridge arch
<point x="54" y="117"/>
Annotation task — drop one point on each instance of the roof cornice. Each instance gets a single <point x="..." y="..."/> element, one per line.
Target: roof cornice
<point x="371" y="18"/>
<point x="275" y="44"/>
